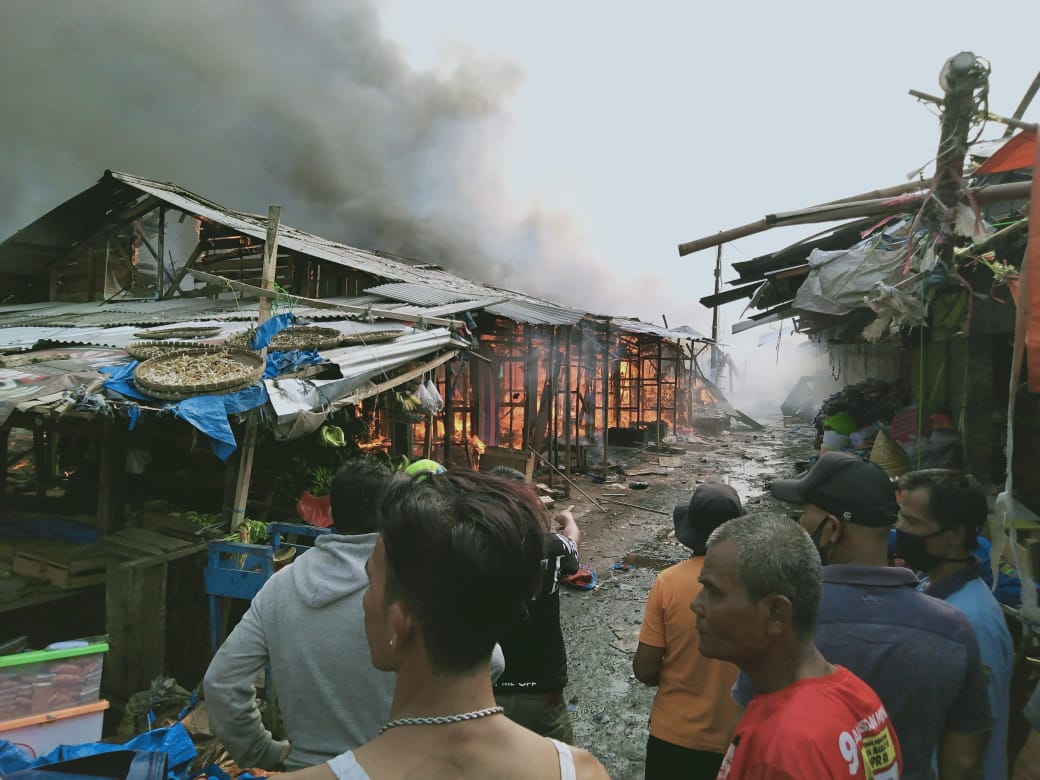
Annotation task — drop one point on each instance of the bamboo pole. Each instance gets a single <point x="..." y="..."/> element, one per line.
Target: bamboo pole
<point x="595" y="503"/>
<point x="636" y="506"/>
<point x="850" y="209"/>
<point x="245" y="463"/>
<point x="1014" y="123"/>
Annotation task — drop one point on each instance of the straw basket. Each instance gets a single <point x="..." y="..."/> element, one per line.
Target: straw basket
<point x="179" y="375"/>
<point x="299" y="337"/>
<point x="889" y="455"/>
<point x="143" y="350"/>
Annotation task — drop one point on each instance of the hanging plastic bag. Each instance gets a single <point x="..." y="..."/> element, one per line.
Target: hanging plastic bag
<point x="436" y="402"/>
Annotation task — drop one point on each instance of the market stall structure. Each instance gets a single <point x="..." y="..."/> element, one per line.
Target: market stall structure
<point x="112" y="303"/>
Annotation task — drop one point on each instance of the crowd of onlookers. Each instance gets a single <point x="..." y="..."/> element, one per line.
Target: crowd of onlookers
<point x="423" y="638"/>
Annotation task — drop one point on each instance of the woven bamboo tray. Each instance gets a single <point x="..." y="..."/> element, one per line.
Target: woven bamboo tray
<point x="143" y="350"/>
<point x="188" y="332"/>
<point x="300" y="337"/>
<point x="179" y="375"/>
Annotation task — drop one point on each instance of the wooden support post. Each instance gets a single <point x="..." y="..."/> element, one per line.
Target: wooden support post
<point x="5" y="434"/>
<point x="530" y="389"/>
<point x="448" y="416"/>
<point x="160" y="261"/>
<point x="245" y="464"/>
<point x="658" y="426"/>
<point x="40" y="460"/>
<point x="568" y="408"/>
<point x="111" y="476"/>
<point x="606" y="393"/>
<point x="135" y="617"/>
<point x="553" y="385"/>
<point x="962" y="76"/>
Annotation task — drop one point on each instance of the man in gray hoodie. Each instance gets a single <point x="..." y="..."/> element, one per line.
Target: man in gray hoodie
<point x="307" y="621"/>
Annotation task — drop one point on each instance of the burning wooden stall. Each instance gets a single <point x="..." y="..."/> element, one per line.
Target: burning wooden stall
<point x="554" y="387"/>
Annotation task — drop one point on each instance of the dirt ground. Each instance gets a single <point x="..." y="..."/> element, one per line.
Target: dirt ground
<point x="626" y="547"/>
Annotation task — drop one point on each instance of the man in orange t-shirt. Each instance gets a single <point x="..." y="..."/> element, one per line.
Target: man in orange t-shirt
<point x="693" y="713"/>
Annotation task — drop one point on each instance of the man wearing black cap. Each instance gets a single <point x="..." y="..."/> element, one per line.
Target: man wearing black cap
<point x="693" y="713"/>
<point x="918" y="653"/>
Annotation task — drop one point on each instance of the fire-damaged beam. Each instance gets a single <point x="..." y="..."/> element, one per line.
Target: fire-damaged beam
<point x="744" y="291"/>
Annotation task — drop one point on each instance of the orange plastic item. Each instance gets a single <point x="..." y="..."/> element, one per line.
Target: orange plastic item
<point x="315" y="510"/>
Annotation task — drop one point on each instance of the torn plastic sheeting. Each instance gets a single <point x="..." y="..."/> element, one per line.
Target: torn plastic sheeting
<point x="894" y="309"/>
<point x="838" y="280"/>
<point x="357" y="365"/>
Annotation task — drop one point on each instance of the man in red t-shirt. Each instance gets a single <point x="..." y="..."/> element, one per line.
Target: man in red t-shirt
<point x="761" y="584"/>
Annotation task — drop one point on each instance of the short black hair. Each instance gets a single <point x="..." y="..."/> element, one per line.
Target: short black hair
<point x="955" y="500"/>
<point x="463" y="551"/>
<point x="354" y="492"/>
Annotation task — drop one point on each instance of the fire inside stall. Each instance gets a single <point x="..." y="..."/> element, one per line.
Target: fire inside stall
<point x="541" y="387"/>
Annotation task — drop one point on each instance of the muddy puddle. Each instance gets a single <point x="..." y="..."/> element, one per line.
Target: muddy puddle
<point x="626" y="547"/>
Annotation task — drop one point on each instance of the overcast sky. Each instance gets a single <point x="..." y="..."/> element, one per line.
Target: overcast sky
<point x="563" y="148"/>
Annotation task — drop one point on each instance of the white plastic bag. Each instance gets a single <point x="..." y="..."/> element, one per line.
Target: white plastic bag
<point x="436" y="403"/>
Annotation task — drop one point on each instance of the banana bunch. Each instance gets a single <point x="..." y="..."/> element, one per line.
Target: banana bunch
<point x="409" y="401"/>
<point x="200" y="520"/>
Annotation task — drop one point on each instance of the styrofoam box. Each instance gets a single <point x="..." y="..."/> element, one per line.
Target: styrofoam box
<point x="40" y="734"/>
<point x="42" y="681"/>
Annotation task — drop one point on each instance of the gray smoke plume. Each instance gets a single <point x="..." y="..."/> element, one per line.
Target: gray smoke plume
<point x="306" y="104"/>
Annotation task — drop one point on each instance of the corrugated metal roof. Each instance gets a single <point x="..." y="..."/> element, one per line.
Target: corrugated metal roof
<point x="536" y="313"/>
<point x="422" y="294"/>
<point x="303" y="242"/>
<point x="505" y="303"/>
<point x="24" y="337"/>
<point x="51" y="237"/>
<point x="635" y="326"/>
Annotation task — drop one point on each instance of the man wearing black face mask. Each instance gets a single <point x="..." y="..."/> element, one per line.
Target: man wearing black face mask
<point x="918" y="654"/>
<point x="940" y="515"/>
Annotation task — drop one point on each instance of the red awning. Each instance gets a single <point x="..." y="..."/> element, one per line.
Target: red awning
<point x="1018" y="152"/>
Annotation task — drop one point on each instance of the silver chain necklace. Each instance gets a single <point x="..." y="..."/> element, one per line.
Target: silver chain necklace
<point x="442" y="718"/>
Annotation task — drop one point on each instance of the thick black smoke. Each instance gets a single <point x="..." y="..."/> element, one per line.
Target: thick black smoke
<point x="306" y="104"/>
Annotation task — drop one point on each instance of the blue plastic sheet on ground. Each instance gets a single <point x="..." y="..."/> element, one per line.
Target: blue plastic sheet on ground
<point x="290" y="360"/>
<point x="173" y="740"/>
<point x="50" y="528"/>
<point x="262" y="335"/>
<point x="207" y="413"/>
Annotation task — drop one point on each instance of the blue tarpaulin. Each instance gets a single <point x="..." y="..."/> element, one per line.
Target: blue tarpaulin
<point x="279" y="363"/>
<point x="208" y="413"/>
<point x="262" y="336"/>
<point x="173" y="740"/>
